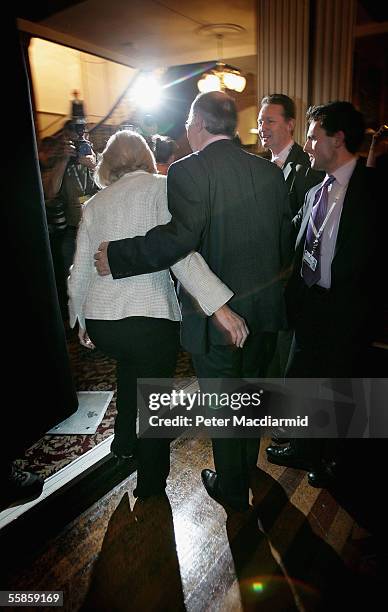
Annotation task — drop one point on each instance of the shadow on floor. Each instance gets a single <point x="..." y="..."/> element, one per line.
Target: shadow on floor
<point x="137" y="568"/>
<point x="281" y="564"/>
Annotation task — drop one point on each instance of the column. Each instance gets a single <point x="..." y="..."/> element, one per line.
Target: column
<point x="332" y="43"/>
<point x="283" y="53"/>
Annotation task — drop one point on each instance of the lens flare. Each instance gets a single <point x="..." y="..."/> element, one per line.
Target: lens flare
<point x="146" y="91"/>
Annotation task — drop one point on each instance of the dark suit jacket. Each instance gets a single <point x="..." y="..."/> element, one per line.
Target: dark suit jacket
<point x="232" y="207"/>
<point x="345" y="314"/>
<point x="299" y="177"/>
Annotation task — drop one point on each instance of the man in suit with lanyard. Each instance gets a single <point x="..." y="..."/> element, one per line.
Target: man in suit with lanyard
<point x="331" y="295"/>
<point x="232" y="207"/>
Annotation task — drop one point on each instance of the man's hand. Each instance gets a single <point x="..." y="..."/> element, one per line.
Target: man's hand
<point x="101" y="259"/>
<point x="68" y="149"/>
<point x="232" y="325"/>
<point x="378" y="146"/>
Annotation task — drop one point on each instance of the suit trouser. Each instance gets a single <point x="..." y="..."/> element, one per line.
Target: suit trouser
<point x="278" y="366"/>
<point x="320" y="350"/>
<point x="143" y="347"/>
<point x="235" y="458"/>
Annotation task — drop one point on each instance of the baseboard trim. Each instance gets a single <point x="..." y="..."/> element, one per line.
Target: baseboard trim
<point x="60" y="479"/>
<point x="70" y="472"/>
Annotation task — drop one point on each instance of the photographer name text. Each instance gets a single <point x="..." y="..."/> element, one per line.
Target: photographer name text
<point x="233" y="421"/>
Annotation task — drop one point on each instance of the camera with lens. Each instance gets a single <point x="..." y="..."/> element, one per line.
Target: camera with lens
<point x="83" y="147"/>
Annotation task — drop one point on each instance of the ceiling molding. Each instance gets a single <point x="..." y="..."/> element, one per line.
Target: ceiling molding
<point x="60" y="38"/>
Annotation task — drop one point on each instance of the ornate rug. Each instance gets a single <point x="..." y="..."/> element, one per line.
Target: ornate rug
<point x="92" y="371"/>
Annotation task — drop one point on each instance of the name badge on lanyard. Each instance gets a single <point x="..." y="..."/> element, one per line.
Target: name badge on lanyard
<point x="308" y="257"/>
<point x="310" y="260"/>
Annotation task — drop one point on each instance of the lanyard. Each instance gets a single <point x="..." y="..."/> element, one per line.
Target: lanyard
<point x="318" y="233"/>
<point x="77" y="176"/>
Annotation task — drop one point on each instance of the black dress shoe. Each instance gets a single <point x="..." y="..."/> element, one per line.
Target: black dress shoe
<point x="122" y="459"/>
<point x="288" y="457"/>
<point x="123" y="451"/>
<point x="20" y="487"/>
<point x="323" y="476"/>
<point x="210" y="482"/>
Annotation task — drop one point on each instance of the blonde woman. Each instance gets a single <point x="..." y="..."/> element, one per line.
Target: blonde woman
<point x="134" y="320"/>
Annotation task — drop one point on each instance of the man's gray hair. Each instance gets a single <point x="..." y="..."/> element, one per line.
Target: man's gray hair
<point x="218" y="111"/>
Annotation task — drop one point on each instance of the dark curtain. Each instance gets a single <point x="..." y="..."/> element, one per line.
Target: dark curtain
<point x="38" y="386"/>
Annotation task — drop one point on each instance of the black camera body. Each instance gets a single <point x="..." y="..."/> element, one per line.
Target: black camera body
<point x="83" y="147"/>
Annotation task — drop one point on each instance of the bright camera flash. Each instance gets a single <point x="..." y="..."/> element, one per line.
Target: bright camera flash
<point x="146" y="91"/>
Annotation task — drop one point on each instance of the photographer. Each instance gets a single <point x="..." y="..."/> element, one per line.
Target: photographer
<point x="70" y="180"/>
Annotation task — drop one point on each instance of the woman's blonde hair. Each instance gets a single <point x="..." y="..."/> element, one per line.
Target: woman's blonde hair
<point x="125" y="151"/>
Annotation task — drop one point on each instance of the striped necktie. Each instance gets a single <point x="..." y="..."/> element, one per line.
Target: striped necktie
<point x="312" y="250"/>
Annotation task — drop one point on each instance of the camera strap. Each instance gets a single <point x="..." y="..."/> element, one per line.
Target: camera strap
<point x="82" y="185"/>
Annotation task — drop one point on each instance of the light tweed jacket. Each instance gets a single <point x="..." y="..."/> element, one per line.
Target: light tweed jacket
<point x="130" y="207"/>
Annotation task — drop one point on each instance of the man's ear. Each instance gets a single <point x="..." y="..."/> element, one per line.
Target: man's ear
<point x="291" y="125"/>
<point x="339" y="138"/>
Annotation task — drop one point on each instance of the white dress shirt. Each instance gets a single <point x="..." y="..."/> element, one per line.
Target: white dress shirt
<point x="336" y="192"/>
<point x="130" y="207"/>
<point x="280" y="158"/>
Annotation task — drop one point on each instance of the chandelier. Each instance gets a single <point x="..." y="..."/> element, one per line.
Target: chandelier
<point x="222" y="76"/>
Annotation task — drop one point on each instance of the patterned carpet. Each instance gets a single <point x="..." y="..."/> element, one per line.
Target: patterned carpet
<point x="92" y="371"/>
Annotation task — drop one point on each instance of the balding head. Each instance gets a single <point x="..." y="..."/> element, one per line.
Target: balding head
<point x="218" y="111"/>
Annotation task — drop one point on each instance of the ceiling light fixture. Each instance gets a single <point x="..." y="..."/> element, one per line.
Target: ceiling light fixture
<point x="222" y="76"/>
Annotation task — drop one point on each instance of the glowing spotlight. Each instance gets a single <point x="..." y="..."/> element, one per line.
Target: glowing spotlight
<point x="146" y="91"/>
<point x="258" y="587"/>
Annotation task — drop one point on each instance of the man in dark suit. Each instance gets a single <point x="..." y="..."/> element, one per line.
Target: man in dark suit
<point x="232" y="207"/>
<point x="276" y="124"/>
<point x="331" y="295"/>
